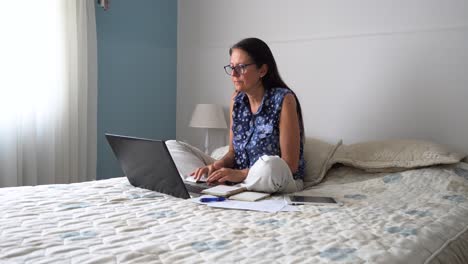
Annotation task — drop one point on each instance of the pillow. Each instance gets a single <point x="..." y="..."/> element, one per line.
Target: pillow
<point x="394" y="155"/>
<point x="186" y="157"/>
<point x="218" y="153"/>
<point x="318" y="155"/>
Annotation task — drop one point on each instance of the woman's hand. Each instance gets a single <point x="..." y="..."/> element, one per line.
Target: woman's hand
<point x="225" y="174"/>
<point x="207" y="170"/>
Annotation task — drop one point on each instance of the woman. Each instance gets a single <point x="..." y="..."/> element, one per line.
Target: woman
<point x="267" y="133"/>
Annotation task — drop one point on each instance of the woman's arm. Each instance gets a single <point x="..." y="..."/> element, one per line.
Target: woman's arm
<point x="223" y="171"/>
<point x="290" y="135"/>
<point x="228" y="160"/>
<point x="220" y="170"/>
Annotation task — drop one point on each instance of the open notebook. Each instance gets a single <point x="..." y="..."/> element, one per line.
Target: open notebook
<point x="236" y="192"/>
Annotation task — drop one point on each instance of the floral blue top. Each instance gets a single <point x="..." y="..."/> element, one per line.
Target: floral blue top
<point x="255" y="135"/>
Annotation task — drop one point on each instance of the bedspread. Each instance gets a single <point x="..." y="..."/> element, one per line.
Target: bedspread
<point x="415" y="216"/>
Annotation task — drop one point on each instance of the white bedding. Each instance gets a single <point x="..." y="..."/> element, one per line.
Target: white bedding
<point x="415" y="216"/>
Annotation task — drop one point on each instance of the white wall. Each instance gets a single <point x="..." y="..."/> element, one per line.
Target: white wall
<point x="362" y="69"/>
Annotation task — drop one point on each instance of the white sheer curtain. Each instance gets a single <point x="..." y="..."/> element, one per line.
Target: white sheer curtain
<point x="48" y="92"/>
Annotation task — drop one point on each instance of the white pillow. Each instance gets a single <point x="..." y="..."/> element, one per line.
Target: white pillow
<point x="220" y="152"/>
<point x="186" y="157"/>
<point x="394" y="155"/>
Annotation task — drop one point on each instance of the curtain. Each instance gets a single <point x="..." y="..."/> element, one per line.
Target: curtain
<point x="48" y="92"/>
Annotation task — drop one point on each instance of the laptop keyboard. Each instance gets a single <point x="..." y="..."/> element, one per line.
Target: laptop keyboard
<point x="195" y="188"/>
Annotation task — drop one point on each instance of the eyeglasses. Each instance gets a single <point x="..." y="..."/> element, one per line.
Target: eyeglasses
<point x="239" y="69"/>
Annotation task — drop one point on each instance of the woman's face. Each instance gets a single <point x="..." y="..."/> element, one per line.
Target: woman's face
<point x="251" y="78"/>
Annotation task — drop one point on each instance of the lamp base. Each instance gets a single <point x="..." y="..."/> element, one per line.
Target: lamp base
<point x="207" y="142"/>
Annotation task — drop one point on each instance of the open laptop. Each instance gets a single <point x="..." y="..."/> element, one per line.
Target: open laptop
<point x="148" y="164"/>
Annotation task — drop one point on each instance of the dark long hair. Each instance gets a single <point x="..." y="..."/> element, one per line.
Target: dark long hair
<point x="261" y="54"/>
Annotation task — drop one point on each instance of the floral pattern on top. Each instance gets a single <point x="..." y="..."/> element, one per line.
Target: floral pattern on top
<point x="257" y="134"/>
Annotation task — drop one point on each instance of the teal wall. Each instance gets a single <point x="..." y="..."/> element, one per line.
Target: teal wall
<point x="137" y="62"/>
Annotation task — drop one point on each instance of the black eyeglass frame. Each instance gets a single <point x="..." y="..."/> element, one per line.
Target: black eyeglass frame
<point x="241" y="67"/>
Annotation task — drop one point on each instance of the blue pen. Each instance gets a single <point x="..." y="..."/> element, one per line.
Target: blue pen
<point x="212" y="199"/>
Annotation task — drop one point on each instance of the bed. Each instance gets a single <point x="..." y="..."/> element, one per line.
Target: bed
<point x="413" y="216"/>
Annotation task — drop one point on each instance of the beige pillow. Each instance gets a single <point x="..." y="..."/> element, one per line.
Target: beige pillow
<point x="318" y="156"/>
<point x="394" y="155"/>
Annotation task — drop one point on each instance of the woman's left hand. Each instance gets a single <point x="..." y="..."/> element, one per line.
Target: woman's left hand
<point x="225" y="174"/>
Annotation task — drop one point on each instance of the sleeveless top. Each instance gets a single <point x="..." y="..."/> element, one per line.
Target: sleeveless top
<point x="257" y="134"/>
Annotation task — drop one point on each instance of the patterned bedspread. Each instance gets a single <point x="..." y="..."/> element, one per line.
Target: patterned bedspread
<point x="409" y="217"/>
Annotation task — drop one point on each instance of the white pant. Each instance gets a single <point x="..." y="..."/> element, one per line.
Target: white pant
<point x="271" y="174"/>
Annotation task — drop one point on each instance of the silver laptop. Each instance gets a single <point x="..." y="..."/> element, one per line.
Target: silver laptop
<point x="148" y="164"/>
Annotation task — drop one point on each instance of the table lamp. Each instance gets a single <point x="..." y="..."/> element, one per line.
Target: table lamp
<point x="208" y="116"/>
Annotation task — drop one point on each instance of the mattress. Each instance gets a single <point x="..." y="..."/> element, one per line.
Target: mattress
<point x="416" y="216"/>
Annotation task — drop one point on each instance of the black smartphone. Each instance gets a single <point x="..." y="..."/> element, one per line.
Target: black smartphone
<point x="296" y="199"/>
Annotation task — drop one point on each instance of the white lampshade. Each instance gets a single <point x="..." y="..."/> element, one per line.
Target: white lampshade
<point x="208" y="116"/>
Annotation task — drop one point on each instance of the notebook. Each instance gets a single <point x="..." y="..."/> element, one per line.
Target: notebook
<point x="249" y="196"/>
<point x="224" y="190"/>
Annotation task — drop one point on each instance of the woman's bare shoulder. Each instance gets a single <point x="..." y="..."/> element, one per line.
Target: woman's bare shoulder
<point x="234" y="94"/>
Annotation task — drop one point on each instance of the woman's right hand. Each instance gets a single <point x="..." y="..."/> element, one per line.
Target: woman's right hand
<point x="206" y="170"/>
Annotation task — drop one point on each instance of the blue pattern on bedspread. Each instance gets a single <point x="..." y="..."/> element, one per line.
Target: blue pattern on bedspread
<point x="385" y="218"/>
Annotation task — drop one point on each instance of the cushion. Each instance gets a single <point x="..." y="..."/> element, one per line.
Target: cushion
<point x="394" y="155"/>
<point x="318" y="156"/>
<point x="187" y="157"/>
<point x="219" y="152"/>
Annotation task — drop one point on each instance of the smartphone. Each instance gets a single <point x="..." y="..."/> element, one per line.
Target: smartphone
<point x="317" y="200"/>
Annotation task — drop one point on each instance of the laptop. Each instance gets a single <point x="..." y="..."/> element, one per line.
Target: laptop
<point x="149" y="165"/>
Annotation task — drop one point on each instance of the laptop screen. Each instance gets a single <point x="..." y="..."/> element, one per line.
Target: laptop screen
<point x="148" y="164"/>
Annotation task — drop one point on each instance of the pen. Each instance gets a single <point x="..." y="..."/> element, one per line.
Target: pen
<point x="213" y="199"/>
